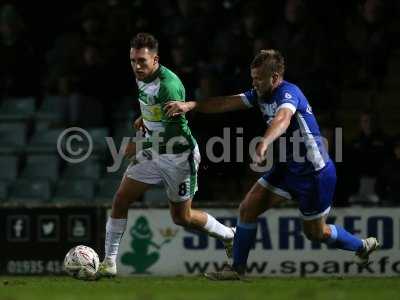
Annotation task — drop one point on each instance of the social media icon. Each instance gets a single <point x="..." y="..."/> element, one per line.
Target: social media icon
<point x="48" y="228"/>
<point x="18" y="228"/>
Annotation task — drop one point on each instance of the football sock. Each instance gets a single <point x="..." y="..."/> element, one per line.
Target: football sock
<point x="244" y="239"/>
<point x="217" y="229"/>
<point x="342" y="239"/>
<point x="114" y="230"/>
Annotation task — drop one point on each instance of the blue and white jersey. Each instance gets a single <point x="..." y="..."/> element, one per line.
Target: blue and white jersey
<point x="305" y="150"/>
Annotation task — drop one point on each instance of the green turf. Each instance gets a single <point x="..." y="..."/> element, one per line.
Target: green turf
<point x="188" y="288"/>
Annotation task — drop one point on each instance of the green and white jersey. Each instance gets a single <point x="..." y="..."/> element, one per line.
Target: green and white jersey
<point x="154" y="93"/>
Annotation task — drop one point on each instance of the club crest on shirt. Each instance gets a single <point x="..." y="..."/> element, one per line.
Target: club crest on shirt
<point x="288" y="96"/>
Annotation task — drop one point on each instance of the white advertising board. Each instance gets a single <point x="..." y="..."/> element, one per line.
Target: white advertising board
<point x="152" y="244"/>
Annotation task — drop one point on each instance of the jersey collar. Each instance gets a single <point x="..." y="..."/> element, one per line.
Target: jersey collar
<point x="153" y="76"/>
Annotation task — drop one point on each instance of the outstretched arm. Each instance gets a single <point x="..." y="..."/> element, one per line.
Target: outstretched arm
<point x="277" y="127"/>
<point x="211" y="105"/>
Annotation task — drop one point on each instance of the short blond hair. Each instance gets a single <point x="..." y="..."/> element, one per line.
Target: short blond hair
<point x="270" y="59"/>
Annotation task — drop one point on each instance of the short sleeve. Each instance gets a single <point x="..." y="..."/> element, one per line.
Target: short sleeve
<point x="288" y="100"/>
<point x="171" y="91"/>
<point x="249" y="98"/>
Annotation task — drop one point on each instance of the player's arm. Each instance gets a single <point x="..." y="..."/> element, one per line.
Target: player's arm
<point x="211" y="105"/>
<point x="277" y="127"/>
<point x="139" y="124"/>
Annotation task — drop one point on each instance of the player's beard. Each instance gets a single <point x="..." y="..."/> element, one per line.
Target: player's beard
<point x="265" y="94"/>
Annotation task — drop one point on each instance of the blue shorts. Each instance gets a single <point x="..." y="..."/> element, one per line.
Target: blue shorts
<point x="314" y="191"/>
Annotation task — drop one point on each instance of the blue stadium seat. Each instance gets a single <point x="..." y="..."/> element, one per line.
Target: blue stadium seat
<point x="88" y="169"/>
<point x="125" y="111"/>
<point x="44" y="141"/>
<point x="42" y="166"/>
<point x="75" y="191"/>
<point x="4" y="185"/>
<point x="50" y="109"/>
<point x="98" y="135"/>
<point x="8" y="167"/>
<point x="17" y="109"/>
<point x="31" y="190"/>
<point x="13" y="137"/>
<point x="106" y="190"/>
<point x="118" y="173"/>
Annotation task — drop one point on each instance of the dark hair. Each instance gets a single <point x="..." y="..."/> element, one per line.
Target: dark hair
<point x="145" y="40"/>
<point x="271" y="59"/>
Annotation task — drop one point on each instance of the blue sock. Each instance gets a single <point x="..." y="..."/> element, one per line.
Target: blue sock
<point x="243" y="240"/>
<point x="342" y="239"/>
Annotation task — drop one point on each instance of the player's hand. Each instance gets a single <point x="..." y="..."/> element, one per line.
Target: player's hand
<point x="130" y="150"/>
<point x="175" y="108"/>
<point x="261" y="152"/>
<point x="139" y="124"/>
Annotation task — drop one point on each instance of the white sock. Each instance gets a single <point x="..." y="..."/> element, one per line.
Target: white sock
<point x="114" y="230"/>
<point x="218" y="230"/>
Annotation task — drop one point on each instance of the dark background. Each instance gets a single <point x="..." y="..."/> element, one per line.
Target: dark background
<point x="69" y="62"/>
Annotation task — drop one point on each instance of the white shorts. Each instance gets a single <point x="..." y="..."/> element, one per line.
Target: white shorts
<point x="178" y="172"/>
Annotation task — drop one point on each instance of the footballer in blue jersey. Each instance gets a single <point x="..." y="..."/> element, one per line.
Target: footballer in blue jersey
<point x="304" y="172"/>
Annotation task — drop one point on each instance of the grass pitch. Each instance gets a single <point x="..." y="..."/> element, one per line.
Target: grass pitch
<point x="188" y="288"/>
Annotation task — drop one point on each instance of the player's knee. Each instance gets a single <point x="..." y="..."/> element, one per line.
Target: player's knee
<point x="121" y="199"/>
<point x="247" y="212"/>
<point x="314" y="234"/>
<point x="244" y="210"/>
<point x="181" y="220"/>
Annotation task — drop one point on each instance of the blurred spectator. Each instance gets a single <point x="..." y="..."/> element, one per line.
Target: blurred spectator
<point x="90" y="74"/>
<point x="370" y="146"/>
<point x="369" y="150"/>
<point x="368" y="37"/>
<point x="303" y="44"/>
<point x="65" y="55"/>
<point x="388" y="181"/>
<point x="183" y="66"/>
<point x="91" y="87"/>
<point x="19" y="74"/>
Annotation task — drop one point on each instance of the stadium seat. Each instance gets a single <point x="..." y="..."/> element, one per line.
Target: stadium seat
<point x="75" y="191"/>
<point x="50" y="109"/>
<point x="118" y="173"/>
<point x="3" y="190"/>
<point x="17" y="109"/>
<point x="44" y="141"/>
<point x="106" y="190"/>
<point x="124" y="110"/>
<point x="42" y="166"/>
<point x="8" y="167"/>
<point x="88" y="169"/>
<point x="155" y="196"/>
<point x="121" y="132"/>
<point x="13" y="137"/>
<point x="98" y="136"/>
<point x="31" y="190"/>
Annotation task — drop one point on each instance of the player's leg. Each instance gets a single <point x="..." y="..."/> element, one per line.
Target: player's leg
<point x="260" y="198"/>
<point x="267" y="192"/>
<point x="315" y="205"/>
<point x="180" y="177"/>
<point x="137" y="179"/>
<point x="129" y="191"/>
<point x="337" y="236"/>
<point x="184" y="215"/>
